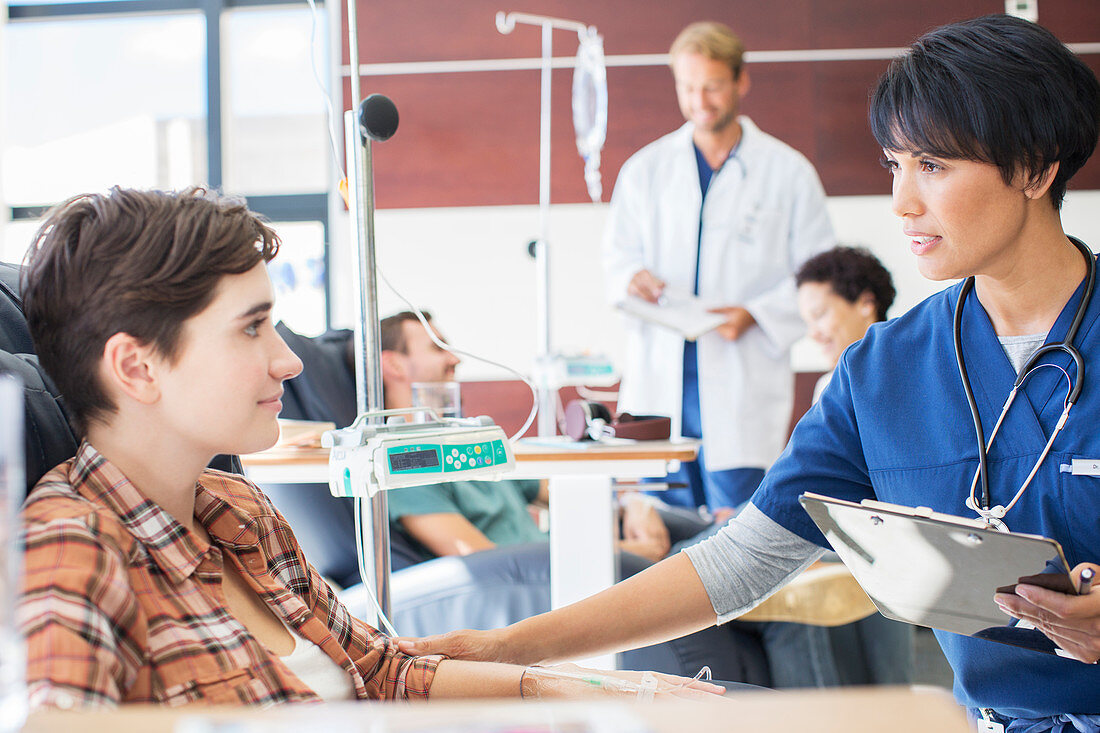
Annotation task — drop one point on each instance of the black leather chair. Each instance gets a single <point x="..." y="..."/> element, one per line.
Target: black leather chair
<point x="48" y="433"/>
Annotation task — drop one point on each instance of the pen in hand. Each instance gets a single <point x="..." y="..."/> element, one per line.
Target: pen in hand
<point x="1084" y="585"/>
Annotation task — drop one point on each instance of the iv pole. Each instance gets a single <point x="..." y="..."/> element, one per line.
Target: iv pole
<point x="377" y="120"/>
<point x="506" y="23"/>
<point x="368" y="371"/>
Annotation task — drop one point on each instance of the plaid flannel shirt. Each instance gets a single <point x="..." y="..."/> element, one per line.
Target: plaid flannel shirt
<point x="121" y="603"/>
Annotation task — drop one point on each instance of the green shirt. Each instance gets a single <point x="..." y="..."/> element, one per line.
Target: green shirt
<point x="497" y="508"/>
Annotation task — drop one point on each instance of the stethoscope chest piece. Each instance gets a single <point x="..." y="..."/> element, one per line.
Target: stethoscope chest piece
<point x="993" y="516"/>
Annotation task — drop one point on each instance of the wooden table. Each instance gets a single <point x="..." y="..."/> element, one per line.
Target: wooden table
<point x="533" y="460"/>
<point x="582" y="512"/>
<point x="869" y="710"/>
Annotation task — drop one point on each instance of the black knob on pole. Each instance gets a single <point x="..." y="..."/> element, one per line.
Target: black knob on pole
<point x="377" y="117"/>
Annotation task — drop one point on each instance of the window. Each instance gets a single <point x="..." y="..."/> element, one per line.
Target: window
<point x="298" y="274"/>
<point x="275" y="137"/>
<point x="132" y="93"/>
<point x="71" y="131"/>
<point x="17" y="238"/>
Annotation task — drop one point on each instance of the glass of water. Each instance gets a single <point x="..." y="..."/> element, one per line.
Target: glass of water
<point x="443" y="397"/>
<point x="13" y="694"/>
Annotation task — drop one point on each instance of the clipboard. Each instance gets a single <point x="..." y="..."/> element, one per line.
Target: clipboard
<point x="682" y="312"/>
<point x="939" y="570"/>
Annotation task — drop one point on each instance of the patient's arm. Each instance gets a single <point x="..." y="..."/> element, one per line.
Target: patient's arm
<point x="459" y="679"/>
<point x="543" y="498"/>
<point x="446" y="533"/>
<point x="455" y="679"/>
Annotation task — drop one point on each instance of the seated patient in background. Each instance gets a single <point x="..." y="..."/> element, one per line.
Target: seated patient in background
<point x="150" y="578"/>
<point x="462" y="517"/>
<point x="841" y="292"/>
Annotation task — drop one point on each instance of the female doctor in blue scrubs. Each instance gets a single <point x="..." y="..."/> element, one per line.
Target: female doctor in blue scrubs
<point x="982" y="124"/>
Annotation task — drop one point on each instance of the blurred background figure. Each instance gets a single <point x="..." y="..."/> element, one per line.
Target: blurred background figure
<point x="841" y="292"/>
<point x="724" y="211"/>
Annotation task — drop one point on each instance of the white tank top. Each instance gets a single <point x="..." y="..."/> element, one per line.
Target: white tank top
<point x="317" y="670"/>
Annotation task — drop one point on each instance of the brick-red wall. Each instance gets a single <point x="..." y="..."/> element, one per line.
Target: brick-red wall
<point x="472" y="138"/>
<point x="509" y="402"/>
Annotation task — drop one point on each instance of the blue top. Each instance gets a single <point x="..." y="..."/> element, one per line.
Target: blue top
<point x="706" y="175"/>
<point x="893" y="424"/>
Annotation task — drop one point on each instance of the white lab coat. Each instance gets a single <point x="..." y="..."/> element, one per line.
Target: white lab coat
<point x="764" y="215"/>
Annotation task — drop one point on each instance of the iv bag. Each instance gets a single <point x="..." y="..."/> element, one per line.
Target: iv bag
<point x="590" y="108"/>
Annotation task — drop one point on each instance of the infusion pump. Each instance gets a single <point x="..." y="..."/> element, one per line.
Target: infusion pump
<point x="366" y="457"/>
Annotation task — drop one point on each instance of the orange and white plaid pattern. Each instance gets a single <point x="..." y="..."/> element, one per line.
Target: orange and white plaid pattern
<point x="122" y="604"/>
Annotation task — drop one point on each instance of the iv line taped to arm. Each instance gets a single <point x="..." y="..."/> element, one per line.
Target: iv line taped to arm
<point x="554" y="682"/>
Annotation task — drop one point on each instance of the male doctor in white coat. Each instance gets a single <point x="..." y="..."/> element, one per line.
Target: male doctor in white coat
<point x="723" y="210"/>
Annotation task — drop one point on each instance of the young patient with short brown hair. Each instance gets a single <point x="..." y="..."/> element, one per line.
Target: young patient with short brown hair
<point x="149" y="577"/>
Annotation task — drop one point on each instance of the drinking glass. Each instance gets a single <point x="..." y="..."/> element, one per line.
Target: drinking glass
<point x="443" y="397"/>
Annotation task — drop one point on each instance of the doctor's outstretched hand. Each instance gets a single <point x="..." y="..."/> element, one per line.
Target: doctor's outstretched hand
<point x="467" y="644"/>
<point x="1070" y="621"/>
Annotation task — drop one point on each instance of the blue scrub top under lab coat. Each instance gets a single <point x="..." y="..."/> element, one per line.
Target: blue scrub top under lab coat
<point x="894" y="425"/>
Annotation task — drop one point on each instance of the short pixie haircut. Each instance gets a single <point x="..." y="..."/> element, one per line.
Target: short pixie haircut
<point x="850" y="272"/>
<point x="997" y="90"/>
<point x="135" y="262"/>
<point x="712" y="40"/>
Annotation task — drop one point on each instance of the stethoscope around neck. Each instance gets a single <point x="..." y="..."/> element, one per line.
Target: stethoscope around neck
<point x="994" y="515"/>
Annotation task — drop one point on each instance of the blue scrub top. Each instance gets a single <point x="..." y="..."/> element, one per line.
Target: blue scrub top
<point x="894" y="424"/>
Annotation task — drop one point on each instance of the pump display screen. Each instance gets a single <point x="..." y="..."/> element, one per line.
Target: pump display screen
<point x="414" y="460"/>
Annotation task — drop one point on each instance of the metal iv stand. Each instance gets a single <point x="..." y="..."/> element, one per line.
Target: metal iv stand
<point x="506" y="23"/>
<point x="368" y="375"/>
<point x="368" y="369"/>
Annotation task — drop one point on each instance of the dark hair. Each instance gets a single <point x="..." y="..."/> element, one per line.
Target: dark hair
<point x="393" y="330"/>
<point x="391" y="336"/>
<point x="998" y="90"/>
<point x="136" y="262"/>
<point x="850" y="272"/>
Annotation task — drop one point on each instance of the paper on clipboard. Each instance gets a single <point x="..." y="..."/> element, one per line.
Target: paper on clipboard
<point x="939" y="570"/>
<point x="682" y="312"/>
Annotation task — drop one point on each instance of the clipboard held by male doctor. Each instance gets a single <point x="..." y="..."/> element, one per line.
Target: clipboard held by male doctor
<point x="939" y="570"/>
